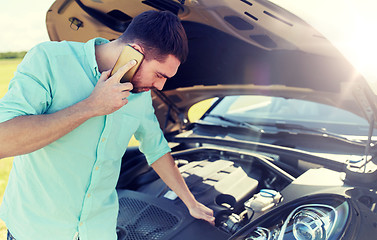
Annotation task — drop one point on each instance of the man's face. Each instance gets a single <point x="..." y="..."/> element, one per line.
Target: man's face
<point x="153" y="74"/>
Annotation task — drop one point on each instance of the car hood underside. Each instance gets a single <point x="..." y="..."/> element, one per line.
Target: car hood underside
<point x="244" y="47"/>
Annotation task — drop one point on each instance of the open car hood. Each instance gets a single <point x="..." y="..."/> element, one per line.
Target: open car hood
<point x="236" y="47"/>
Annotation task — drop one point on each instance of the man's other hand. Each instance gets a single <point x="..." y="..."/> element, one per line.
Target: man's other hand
<point x="200" y="211"/>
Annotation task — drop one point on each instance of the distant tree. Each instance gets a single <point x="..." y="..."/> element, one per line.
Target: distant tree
<point x="9" y="55"/>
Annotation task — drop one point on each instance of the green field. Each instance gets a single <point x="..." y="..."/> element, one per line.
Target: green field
<point x="7" y="69"/>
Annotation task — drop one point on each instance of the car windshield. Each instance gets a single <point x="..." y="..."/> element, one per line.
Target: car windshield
<point x="277" y="111"/>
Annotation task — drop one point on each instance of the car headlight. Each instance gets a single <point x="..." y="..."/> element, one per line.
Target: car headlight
<point x="314" y="222"/>
<point x="320" y="220"/>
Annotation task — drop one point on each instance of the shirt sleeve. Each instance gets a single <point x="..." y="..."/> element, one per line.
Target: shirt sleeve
<point x="152" y="141"/>
<point x="29" y="91"/>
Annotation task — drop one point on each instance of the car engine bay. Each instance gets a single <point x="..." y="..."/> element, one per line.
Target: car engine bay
<point x="234" y="185"/>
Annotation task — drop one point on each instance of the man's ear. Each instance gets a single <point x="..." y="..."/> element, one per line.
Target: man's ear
<point x="137" y="47"/>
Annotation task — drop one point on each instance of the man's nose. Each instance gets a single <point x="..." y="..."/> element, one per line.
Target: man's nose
<point x="159" y="84"/>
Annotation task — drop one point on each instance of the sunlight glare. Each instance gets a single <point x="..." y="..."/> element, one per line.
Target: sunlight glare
<point x="350" y="26"/>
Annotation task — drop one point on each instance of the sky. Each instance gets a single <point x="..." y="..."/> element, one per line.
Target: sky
<point x="22" y="24"/>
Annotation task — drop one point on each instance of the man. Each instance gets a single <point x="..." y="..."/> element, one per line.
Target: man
<point x="67" y="121"/>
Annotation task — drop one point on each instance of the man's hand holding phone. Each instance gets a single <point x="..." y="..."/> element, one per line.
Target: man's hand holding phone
<point x="109" y="93"/>
<point x="128" y="53"/>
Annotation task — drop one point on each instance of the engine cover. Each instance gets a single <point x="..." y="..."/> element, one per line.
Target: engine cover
<point x="212" y="182"/>
<point x="154" y="211"/>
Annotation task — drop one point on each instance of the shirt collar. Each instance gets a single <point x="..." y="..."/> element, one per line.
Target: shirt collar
<point x="90" y="53"/>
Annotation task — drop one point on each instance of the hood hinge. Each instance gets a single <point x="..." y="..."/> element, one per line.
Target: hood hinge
<point x="365" y="170"/>
<point x="169" y="115"/>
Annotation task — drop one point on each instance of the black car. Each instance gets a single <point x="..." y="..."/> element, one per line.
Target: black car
<point x="285" y="149"/>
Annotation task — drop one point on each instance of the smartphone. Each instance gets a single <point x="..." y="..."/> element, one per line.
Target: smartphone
<point x="128" y="53"/>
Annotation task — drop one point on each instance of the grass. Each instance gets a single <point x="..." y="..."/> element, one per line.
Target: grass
<point x="7" y="69"/>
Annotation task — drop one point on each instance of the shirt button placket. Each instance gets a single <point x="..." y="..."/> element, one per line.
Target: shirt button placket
<point x="95" y="178"/>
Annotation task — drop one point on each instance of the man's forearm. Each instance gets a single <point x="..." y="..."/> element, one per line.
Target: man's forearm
<point x="25" y="134"/>
<point x="170" y="174"/>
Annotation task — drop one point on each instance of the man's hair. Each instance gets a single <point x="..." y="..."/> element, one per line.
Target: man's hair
<point x="159" y="34"/>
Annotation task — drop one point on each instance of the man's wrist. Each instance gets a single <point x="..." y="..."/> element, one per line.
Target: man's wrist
<point x="190" y="201"/>
<point x="87" y="108"/>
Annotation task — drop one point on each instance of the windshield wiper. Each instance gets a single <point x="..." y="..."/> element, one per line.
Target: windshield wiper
<point x="237" y="123"/>
<point x="313" y="131"/>
<point x="290" y="127"/>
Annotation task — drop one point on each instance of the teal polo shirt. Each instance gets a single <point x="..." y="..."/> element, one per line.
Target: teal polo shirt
<point x="67" y="188"/>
